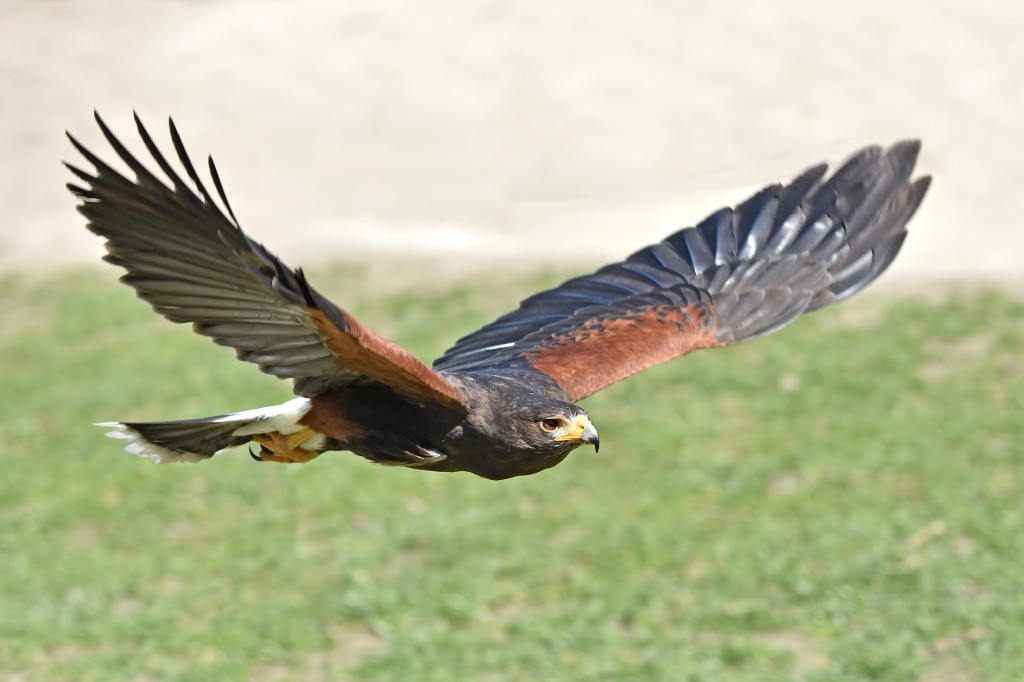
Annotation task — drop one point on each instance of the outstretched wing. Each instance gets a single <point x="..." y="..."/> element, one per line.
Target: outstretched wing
<point x="740" y="274"/>
<point x="194" y="264"/>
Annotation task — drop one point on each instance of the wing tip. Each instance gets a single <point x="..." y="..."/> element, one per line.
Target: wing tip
<point x="909" y="147"/>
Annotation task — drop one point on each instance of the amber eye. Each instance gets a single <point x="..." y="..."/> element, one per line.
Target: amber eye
<point x="550" y="424"/>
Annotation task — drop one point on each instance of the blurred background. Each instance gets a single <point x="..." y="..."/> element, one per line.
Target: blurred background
<point x="510" y="130"/>
<point x="840" y="501"/>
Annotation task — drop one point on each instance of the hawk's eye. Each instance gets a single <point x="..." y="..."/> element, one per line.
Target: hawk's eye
<point x="550" y="424"/>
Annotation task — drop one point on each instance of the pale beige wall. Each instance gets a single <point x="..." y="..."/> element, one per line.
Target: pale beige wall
<point x="573" y="131"/>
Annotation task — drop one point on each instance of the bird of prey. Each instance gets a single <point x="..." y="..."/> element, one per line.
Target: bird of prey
<point x="501" y="401"/>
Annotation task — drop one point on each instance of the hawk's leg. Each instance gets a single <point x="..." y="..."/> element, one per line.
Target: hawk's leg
<point x="282" y="448"/>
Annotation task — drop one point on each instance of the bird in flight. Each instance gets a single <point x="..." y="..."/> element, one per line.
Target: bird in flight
<point x="501" y="401"/>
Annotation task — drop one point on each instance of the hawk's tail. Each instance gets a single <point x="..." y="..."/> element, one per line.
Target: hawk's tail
<point x="810" y="244"/>
<point x="193" y="440"/>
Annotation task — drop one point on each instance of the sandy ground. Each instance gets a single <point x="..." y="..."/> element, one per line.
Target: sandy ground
<point x="525" y="131"/>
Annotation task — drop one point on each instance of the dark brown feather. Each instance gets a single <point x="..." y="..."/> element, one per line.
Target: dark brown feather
<point x="787" y="250"/>
<point x="193" y="263"/>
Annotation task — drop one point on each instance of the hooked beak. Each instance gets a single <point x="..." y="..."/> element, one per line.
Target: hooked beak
<point x="582" y="432"/>
<point x="589" y="435"/>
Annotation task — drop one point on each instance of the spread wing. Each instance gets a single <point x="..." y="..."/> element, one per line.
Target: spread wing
<point x="194" y="264"/>
<point x="741" y="273"/>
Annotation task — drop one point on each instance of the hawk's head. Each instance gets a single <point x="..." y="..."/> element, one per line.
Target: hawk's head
<point x="557" y="426"/>
<point x="514" y="434"/>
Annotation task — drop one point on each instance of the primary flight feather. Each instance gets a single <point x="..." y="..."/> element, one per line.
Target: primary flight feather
<point x="500" y="402"/>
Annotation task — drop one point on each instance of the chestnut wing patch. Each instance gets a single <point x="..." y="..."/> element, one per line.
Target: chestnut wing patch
<point x="359" y="350"/>
<point x="590" y="353"/>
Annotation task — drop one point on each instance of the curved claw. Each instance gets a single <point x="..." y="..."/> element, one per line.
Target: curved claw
<point x="252" y="454"/>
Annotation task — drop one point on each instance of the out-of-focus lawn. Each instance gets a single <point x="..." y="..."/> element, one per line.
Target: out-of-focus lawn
<point x="841" y="501"/>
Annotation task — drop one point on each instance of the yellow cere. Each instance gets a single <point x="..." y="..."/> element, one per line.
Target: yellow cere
<point x="575" y="431"/>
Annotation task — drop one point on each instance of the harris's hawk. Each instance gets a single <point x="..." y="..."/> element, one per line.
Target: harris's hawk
<point x="500" y="402"/>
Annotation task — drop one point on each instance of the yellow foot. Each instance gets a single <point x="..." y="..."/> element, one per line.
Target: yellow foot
<point x="282" y="448"/>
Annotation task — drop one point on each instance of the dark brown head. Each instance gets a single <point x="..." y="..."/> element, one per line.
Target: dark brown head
<point x="548" y="426"/>
<point x="514" y="433"/>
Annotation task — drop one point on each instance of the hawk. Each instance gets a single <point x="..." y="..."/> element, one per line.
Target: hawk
<point x="501" y="401"/>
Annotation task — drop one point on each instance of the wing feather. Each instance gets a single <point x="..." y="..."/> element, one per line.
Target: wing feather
<point x="739" y="274"/>
<point x="194" y="264"/>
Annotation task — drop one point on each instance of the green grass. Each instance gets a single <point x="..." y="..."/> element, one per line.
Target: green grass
<point x="841" y="501"/>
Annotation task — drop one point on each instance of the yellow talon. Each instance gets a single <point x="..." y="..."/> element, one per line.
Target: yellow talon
<point x="278" y="447"/>
<point x="294" y="440"/>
